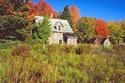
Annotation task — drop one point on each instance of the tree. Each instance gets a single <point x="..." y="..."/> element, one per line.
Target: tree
<point x="46" y="8"/>
<point x="5" y="7"/>
<point x="85" y="28"/>
<point x="18" y="4"/>
<point x="42" y="8"/>
<point x="34" y="10"/>
<point x="14" y="27"/>
<point x="66" y="15"/>
<point x="9" y="7"/>
<point x="75" y="15"/>
<point x="42" y="31"/>
<point x="117" y="33"/>
<point x="90" y="20"/>
<point x="101" y="29"/>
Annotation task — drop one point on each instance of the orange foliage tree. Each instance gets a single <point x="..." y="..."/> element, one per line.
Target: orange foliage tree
<point x="5" y="7"/>
<point x="101" y="28"/>
<point x="75" y="15"/>
<point x="33" y="9"/>
<point x="12" y="7"/>
<point x="42" y="8"/>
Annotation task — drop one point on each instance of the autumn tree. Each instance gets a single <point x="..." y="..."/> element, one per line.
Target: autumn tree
<point x="18" y="4"/>
<point x="47" y="9"/>
<point x="9" y="7"/>
<point x="42" y="8"/>
<point x="5" y="7"/>
<point x="117" y="34"/>
<point x="101" y="29"/>
<point x="13" y="25"/>
<point x="33" y="9"/>
<point x="75" y="15"/>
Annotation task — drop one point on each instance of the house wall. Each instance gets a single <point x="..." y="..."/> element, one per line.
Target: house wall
<point x="56" y="38"/>
<point x="72" y="41"/>
<point x="106" y="43"/>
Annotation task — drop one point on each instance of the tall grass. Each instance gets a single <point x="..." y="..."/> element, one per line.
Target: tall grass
<point x="61" y="64"/>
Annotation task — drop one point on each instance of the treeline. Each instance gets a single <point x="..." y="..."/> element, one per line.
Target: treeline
<point x="94" y="28"/>
<point x="17" y="22"/>
<point x="17" y="19"/>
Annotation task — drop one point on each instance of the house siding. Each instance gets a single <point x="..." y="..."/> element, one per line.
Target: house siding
<point x="72" y="41"/>
<point x="55" y="38"/>
<point x="58" y="29"/>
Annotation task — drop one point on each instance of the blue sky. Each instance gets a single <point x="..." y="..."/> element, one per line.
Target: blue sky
<point x="104" y="9"/>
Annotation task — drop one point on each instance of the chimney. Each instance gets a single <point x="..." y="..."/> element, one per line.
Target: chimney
<point x="51" y="16"/>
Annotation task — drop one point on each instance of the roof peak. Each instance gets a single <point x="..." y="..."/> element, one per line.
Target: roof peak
<point x="50" y="18"/>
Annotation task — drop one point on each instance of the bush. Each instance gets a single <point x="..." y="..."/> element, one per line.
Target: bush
<point x="69" y="49"/>
<point x="83" y="49"/>
<point x="21" y="50"/>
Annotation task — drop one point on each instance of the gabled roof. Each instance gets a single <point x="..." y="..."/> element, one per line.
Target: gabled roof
<point x="66" y="28"/>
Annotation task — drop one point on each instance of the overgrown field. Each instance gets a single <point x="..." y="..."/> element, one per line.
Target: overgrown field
<point x="62" y="64"/>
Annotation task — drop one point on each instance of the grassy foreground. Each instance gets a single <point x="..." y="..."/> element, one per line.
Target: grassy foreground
<point x="62" y="64"/>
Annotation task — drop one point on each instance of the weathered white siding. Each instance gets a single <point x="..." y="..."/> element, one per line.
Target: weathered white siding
<point x="58" y="28"/>
<point x="106" y="43"/>
<point x="72" y="41"/>
<point x="56" y="38"/>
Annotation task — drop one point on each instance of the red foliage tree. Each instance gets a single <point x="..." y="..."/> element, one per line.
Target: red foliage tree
<point x="75" y="15"/>
<point x="101" y="28"/>
<point x="34" y="10"/>
<point x="42" y="8"/>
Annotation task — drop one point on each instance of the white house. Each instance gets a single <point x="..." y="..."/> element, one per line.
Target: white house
<point x="61" y="31"/>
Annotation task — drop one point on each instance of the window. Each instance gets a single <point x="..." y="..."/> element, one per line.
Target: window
<point x="58" y="28"/>
<point x="60" y="42"/>
<point x="55" y="27"/>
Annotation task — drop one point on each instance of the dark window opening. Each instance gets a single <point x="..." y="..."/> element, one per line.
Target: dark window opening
<point x="55" y="27"/>
<point x="58" y="28"/>
<point x="60" y="42"/>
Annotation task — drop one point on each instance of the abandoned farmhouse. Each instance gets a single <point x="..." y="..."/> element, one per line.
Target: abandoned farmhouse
<point x="61" y="31"/>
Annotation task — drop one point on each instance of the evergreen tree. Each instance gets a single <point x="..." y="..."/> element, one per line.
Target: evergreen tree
<point x="42" y="31"/>
<point x="67" y="16"/>
<point x="14" y="27"/>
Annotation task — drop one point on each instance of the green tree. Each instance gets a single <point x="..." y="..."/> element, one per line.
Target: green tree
<point x="66" y="15"/>
<point x="85" y="28"/>
<point x="117" y="32"/>
<point x="14" y="27"/>
<point x="42" y="31"/>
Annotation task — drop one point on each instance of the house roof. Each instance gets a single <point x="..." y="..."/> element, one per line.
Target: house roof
<point x="103" y="40"/>
<point x="93" y="40"/>
<point x="71" y="36"/>
<point x="65" y="26"/>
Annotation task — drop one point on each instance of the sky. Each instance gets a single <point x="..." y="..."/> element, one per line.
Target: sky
<point x="100" y="9"/>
